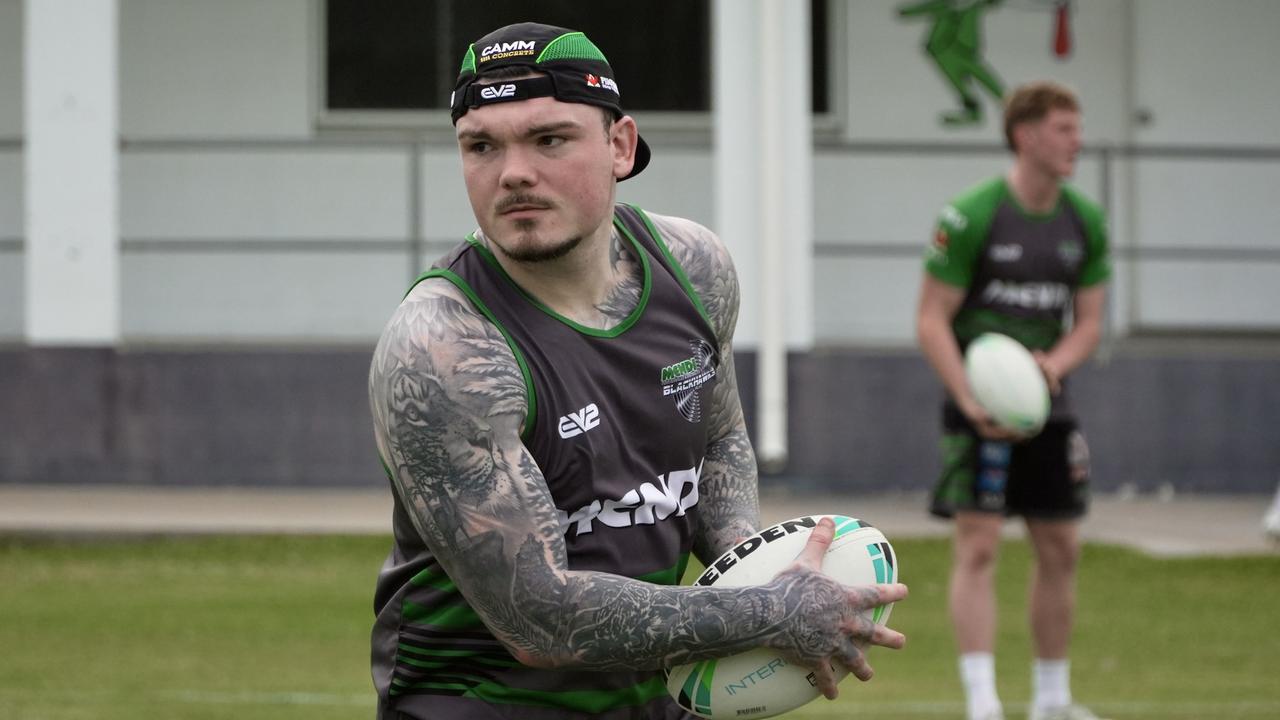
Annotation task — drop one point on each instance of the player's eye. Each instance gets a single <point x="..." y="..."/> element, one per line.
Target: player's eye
<point x="479" y="147"/>
<point x="550" y="141"/>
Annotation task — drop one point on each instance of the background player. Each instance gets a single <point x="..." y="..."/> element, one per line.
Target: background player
<point x="1017" y="255"/>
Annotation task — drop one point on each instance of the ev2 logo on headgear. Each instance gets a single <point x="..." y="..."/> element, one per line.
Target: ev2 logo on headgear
<point x="494" y="92"/>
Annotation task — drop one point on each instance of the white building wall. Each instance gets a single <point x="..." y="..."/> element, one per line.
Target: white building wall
<point x="225" y="69"/>
<point x="243" y="69"/>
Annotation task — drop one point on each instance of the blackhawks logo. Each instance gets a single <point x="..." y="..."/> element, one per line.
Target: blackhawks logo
<point x="682" y="380"/>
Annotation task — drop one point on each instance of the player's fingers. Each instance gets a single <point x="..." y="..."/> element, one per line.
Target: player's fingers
<point x="888" y="637"/>
<point x="852" y="657"/>
<point x="825" y="680"/>
<point x="865" y="632"/>
<point x="816" y="548"/>
<point x="866" y="597"/>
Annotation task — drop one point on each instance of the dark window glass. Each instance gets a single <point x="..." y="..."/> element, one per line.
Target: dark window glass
<point x="820" y="62"/>
<point x="404" y="54"/>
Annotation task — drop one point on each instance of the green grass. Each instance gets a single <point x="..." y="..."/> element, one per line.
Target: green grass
<point x="277" y="627"/>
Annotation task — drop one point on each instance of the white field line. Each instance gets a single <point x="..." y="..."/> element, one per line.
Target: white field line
<point x="1208" y="711"/>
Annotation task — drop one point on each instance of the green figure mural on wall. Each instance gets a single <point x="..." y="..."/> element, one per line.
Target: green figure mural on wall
<point x="955" y="44"/>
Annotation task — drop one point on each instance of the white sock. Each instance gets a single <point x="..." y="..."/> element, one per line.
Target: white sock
<point x="978" y="673"/>
<point x="1051" y="683"/>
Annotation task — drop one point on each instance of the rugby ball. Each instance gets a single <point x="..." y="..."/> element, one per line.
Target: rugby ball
<point x="760" y="683"/>
<point x="1007" y="382"/>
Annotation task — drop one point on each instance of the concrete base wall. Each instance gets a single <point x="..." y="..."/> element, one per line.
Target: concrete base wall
<point x="861" y="420"/>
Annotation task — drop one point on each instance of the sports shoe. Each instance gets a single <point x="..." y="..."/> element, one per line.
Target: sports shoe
<point x="993" y="715"/>
<point x="1066" y="712"/>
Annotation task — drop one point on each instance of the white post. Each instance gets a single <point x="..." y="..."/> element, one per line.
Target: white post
<point x="764" y="199"/>
<point x="71" y="168"/>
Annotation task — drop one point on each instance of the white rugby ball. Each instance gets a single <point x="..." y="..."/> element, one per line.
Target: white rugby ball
<point x="1007" y="382"/>
<point x="759" y="683"/>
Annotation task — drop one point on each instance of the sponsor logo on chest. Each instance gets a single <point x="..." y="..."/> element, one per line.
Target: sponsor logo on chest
<point x="1031" y="295"/>
<point x="576" y="423"/>
<point x="682" y="380"/>
<point x="667" y="495"/>
<point x="1005" y="253"/>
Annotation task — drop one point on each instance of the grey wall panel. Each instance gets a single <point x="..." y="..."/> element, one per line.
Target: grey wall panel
<point x="325" y="192"/>
<point x="859" y="420"/>
<point x="12" y="300"/>
<point x="186" y="418"/>
<point x="11" y="68"/>
<point x="307" y="297"/>
<point x="1198" y="423"/>
<point x="11" y="193"/>
<point x="1209" y="293"/>
<point x="867" y="300"/>
<point x="233" y="68"/>
<point x="1208" y="203"/>
<point x="1197" y="65"/>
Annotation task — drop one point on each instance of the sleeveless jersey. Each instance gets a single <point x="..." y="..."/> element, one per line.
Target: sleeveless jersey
<point x="1019" y="270"/>
<point x="616" y="424"/>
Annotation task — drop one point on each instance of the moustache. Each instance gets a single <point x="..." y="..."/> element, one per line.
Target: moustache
<point x="511" y="201"/>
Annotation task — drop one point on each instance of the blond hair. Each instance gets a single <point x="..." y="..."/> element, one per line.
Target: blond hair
<point x="1032" y="102"/>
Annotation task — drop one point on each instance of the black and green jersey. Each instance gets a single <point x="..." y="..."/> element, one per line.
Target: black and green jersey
<point x="1020" y="270"/>
<point x="616" y="424"/>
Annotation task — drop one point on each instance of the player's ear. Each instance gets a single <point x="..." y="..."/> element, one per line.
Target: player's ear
<point x="623" y="138"/>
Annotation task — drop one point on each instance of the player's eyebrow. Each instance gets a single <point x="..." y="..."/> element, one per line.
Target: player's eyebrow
<point x="473" y="135"/>
<point x="550" y="127"/>
<point x="532" y="131"/>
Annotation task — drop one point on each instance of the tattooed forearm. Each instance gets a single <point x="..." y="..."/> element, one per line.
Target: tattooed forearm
<point x="620" y="623"/>
<point x="729" y="507"/>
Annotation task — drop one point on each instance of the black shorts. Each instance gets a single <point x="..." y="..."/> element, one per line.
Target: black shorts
<point x="1043" y="477"/>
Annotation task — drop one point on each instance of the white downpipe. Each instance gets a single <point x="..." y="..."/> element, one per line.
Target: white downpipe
<point x="71" y="166"/>
<point x="763" y="190"/>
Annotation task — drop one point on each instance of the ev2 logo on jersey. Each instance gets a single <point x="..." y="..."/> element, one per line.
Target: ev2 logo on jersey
<point x="493" y="92"/>
<point x="576" y="423"/>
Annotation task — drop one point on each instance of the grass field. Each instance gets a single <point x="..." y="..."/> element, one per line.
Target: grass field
<point x="277" y="627"/>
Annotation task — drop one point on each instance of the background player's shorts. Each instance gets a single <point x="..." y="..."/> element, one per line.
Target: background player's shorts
<point x="1044" y="477"/>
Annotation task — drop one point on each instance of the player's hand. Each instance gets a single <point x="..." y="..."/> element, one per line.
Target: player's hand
<point x="986" y="425"/>
<point x="1052" y="375"/>
<point x="827" y="622"/>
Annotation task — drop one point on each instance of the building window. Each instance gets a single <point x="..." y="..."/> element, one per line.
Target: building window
<point x="403" y="55"/>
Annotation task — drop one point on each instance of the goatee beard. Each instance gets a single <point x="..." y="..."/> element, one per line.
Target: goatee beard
<point x="529" y="250"/>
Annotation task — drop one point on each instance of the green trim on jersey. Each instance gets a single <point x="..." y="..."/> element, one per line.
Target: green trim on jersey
<point x="961" y="233"/>
<point x="675" y="266"/>
<point x="593" y="332"/>
<point x="531" y="407"/>
<point x="1097" y="264"/>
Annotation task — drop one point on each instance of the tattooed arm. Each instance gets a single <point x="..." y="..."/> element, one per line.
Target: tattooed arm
<point x="728" y="504"/>
<point x="448" y="399"/>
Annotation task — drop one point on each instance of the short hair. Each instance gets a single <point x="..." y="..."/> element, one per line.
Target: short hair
<point x="1032" y="102"/>
<point x="514" y="72"/>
